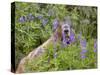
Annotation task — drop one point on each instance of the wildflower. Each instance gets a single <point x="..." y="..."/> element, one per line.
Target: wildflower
<point x="55" y="24"/>
<point x="83" y="48"/>
<point x="83" y="56"/>
<point x="95" y="46"/>
<point x="40" y="17"/>
<point x="83" y="51"/>
<point x="72" y="36"/>
<point x="83" y="43"/>
<point x="22" y="19"/>
<point x="44" y="22"/>
<point x="30" y="17"/>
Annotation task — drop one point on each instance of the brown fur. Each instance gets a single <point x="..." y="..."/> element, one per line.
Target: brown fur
<point x="37" y="52"/>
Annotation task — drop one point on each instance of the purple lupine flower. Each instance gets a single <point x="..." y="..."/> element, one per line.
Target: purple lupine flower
<point x="95" y="45"/>
<point x="55" y="24"/>
<point x="83" y="56"/>
<point x="83" y="48"/>
<point x="30" y="17"/>
<point x="40" y="17"/>
<point x="22" y="19"/>
<point x="95" y="50"/>
<point x="72" y="36"/>
<point x="44" y="22"/>
<point x="83" y="43"/>
<point x="84" y="51"/>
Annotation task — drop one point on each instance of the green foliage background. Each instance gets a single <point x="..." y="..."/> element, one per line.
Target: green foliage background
<point x="31" y="34"/>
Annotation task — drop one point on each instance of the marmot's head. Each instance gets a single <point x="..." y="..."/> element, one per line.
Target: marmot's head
<point x="64" y="27"/>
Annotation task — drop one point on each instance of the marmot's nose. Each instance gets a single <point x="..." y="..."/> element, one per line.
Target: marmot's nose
<point x="66" y="31"/>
